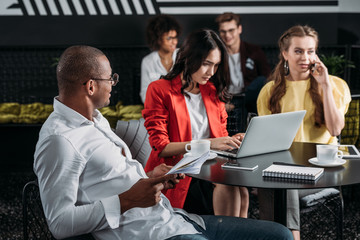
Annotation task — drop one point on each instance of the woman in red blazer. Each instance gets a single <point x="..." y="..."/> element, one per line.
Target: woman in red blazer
<point x="188" y="103"/>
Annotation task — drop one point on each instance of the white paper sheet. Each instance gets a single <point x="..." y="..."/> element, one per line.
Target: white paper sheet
<point x="190" y="164"/>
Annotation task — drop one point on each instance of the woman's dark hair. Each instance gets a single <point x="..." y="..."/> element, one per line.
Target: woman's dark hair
<point x="159" y="25"/>
<point x="193" y="53"/>
<point x="278" y="75"/>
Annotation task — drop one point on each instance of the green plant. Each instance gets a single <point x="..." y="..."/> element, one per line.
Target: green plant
<point x="55" y="63"/>
<point x="336" y="64"/>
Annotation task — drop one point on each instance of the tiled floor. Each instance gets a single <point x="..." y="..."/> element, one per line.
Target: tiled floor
<point x="11" y="184"/>
<point x="321" y="223"/>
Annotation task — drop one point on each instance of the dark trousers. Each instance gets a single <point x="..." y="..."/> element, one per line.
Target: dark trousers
<point x="199" y="198"/>
<point x="231" y="228"/>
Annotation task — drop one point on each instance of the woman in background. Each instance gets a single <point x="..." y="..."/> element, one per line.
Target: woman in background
<point x="162" y="34"/>
<point x="189" y="103"/>
<point x="301" y="81"/>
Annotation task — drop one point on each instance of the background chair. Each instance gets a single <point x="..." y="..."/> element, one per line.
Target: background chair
<point x="136" y="137"/>
<point x="236" y="121"/>
<point x="34" y="222"/>
<point x="325" y="207"/>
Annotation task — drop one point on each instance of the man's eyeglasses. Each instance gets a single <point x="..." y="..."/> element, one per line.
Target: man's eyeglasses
<point x="114" y="79"/>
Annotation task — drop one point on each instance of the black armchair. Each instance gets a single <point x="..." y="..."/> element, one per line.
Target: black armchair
<point x="34" y="222"/>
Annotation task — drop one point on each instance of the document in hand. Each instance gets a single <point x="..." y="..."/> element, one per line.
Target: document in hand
<point x="294" y="172"/>
<point x="190" y="164"/>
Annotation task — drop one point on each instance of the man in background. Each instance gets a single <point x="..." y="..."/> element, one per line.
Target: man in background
<point x="248" y="70"/>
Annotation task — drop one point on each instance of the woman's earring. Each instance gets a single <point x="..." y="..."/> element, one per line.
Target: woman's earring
<point x="286" y="68"/>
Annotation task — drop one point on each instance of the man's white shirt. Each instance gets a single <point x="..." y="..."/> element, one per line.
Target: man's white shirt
<point x="81" y="170"/>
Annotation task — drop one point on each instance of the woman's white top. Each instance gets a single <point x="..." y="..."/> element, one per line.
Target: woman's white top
<point x="151" y="70"/>
<point x="198" y="116"/>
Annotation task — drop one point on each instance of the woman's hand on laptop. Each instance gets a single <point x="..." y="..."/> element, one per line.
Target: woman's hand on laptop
<point x="225" y="143"/>
<point x="239" y="136"/>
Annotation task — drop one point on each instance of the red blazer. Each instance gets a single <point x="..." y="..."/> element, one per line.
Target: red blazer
<point x="167" y="120"/>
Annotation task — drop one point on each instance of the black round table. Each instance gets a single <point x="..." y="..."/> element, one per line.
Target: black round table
<point x="299" y="153"/>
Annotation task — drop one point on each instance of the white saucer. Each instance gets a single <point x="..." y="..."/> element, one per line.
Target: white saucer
<point x="338" y="162"/>
<point x="212" y="155"/>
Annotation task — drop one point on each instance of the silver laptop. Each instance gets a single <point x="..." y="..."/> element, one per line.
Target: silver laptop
<point x="269" y="133"/>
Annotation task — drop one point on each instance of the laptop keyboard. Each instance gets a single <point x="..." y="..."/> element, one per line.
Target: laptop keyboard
<point x="234" y="151"/>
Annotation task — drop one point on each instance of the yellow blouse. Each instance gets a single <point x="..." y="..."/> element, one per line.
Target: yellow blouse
<point x="298" y="98"/>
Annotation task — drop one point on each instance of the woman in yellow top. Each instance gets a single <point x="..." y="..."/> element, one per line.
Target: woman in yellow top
<point x="301" y="81"/>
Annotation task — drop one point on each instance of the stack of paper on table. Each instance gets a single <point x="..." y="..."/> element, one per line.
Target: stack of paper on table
<point x="293" y="172"/>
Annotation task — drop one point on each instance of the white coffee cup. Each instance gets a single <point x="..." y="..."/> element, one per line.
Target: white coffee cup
<point x="328" y="153"/>
<point x="198" y="147"/>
